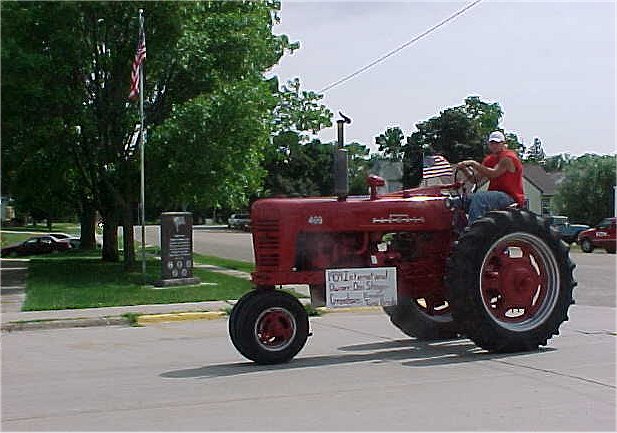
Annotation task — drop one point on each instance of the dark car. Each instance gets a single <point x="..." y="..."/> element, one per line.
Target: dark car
<point x="569" y="232"/>
<point x="75" y="241"/>
<point x="601" y="236"/>
<point x="36" y="245"/>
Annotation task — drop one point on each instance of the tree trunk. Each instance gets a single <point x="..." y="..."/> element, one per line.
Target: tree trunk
<point x="110" y="240"/>
<point x="128" y="240"/>
<point x="88" y="227"/>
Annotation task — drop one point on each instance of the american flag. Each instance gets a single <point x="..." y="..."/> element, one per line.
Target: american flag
<point x="140" y="56"/>
<point x="435" y="166"/>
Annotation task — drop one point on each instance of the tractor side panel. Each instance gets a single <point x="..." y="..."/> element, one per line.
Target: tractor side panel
<point x="296" y="239"/>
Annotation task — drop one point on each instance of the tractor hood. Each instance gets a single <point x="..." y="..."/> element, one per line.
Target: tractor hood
<point x="416" y="213"/>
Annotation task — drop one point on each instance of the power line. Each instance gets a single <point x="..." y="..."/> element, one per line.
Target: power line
<point x="405" y="45"/>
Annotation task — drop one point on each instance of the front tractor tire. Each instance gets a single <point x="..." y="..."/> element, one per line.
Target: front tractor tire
<point x="510" y="282"/>
<point x="423" y="319"/>
<point x="268" y="326"/>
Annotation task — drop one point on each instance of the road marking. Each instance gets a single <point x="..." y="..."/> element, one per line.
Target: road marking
<point x="157" y="318"/>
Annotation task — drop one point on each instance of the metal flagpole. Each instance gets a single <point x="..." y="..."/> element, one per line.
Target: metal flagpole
<point x="142" y="141"/>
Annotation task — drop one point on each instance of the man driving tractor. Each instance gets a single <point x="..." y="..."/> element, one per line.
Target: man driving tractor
<point x="504" y="170"/>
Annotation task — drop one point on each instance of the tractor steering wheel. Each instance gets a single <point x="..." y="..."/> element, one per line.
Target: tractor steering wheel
<point x="467" y="183"/>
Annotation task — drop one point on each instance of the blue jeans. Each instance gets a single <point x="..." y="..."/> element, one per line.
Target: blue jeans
<point x="485" y="201"/>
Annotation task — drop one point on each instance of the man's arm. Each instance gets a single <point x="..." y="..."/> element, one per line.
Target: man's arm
<point x="504" y="164"/>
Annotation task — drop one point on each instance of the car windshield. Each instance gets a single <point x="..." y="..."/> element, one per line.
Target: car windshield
<point x="559" y="220"/>
<point x="60" y="235"/>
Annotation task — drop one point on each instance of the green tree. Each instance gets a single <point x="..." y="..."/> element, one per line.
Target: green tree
<point x="557" y="162"/>
<point x="457" y="133"/>
<point x="37" y="109"/>
<point x="195" y="50"/>
<point x="391" y="143"/>
<point x="295" y="165"/>
<point x="358" y="167"/>
<point x="535" y="153"/>
<point x="460" y="132"/>
<point x="587" y="194"/>
<point x="229" y="144"/>
<point x="299" y="110"/>
<point x="305" y="169"/>
<point x="413" y="163"/>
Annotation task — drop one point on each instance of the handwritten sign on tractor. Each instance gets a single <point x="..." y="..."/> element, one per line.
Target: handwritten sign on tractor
<point x="360" y="287"/>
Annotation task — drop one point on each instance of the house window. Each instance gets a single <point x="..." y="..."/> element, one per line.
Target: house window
<point x="545" y="205"/>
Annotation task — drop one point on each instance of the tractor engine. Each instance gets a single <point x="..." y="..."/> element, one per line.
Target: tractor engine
<point x="296" y="240"/>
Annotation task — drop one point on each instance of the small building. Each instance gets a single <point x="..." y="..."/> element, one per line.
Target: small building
<point x="540" y="188"/>
<point x="7" y="211"/>
<point x="391" y="172"/>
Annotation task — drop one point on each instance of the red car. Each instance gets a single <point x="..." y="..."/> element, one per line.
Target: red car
<point x="601" y="236"/>
<point x="36" y="245"/>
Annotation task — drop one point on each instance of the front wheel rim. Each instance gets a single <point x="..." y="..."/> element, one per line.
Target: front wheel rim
<point x="275" y="329"/>
<point x="437" y="310"/>
<point x="519" y="281"/>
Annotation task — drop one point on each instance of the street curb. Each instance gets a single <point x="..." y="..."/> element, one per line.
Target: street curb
<point x="349" y="309"/>
<point x="176" y="317"/>
<point x="148" y="319"/>
<point x="64" y="323"/>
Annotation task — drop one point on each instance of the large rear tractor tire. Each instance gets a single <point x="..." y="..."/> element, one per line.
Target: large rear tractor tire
<point x="268" y="326"/>
<point x="423" y="319"/>
<point x="510" y="282"/>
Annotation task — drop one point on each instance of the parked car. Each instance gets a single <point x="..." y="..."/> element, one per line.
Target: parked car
<point x="36" y="245"/>
<point x="601" y="236"/>
<point x="60" y="235"/>
<point x="569" y="232"/>
<point x="75" y="241"/>
<point x="239" y="221"/>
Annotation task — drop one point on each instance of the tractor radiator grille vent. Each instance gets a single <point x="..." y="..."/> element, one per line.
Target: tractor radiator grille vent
<point x="267" y="242"/>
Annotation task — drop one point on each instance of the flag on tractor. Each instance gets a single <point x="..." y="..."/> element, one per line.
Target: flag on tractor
<point x="435" y="166"/>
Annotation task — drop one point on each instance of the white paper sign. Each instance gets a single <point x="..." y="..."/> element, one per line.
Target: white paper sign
<point x="360" y="287"/>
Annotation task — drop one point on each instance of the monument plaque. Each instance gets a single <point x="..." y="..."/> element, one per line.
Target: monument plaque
<point x="177" y="249"/>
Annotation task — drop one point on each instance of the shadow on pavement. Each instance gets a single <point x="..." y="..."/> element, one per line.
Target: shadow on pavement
<point x="413" y="353"/>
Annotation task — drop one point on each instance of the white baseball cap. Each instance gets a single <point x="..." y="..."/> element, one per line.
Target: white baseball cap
<point x="497" y="136"/>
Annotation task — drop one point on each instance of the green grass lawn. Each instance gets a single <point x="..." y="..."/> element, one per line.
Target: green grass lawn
<point x="82" y="281"/>
<point x="224" y="263"/>
<point x="7" y="239"/>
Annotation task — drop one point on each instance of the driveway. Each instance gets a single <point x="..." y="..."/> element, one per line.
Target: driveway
<point x="13" y="274"/>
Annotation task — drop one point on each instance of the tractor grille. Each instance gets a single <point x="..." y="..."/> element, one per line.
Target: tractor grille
<point x="266" y="237"/>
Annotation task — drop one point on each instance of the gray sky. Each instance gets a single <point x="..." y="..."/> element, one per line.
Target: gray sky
<point x="550" y="65"/>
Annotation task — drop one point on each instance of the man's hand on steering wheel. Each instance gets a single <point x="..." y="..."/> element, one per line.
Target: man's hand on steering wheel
<point x="466" y="177"/>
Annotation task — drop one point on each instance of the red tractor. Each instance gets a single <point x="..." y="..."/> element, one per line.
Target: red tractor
<point x="505" y="282"/>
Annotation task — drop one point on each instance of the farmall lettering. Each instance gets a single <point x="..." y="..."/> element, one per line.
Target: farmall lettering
<point x="398" y="219"/>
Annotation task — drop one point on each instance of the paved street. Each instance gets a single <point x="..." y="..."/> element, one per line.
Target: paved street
<point x="220" y="242"/>
<point x="357" y="372"/>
